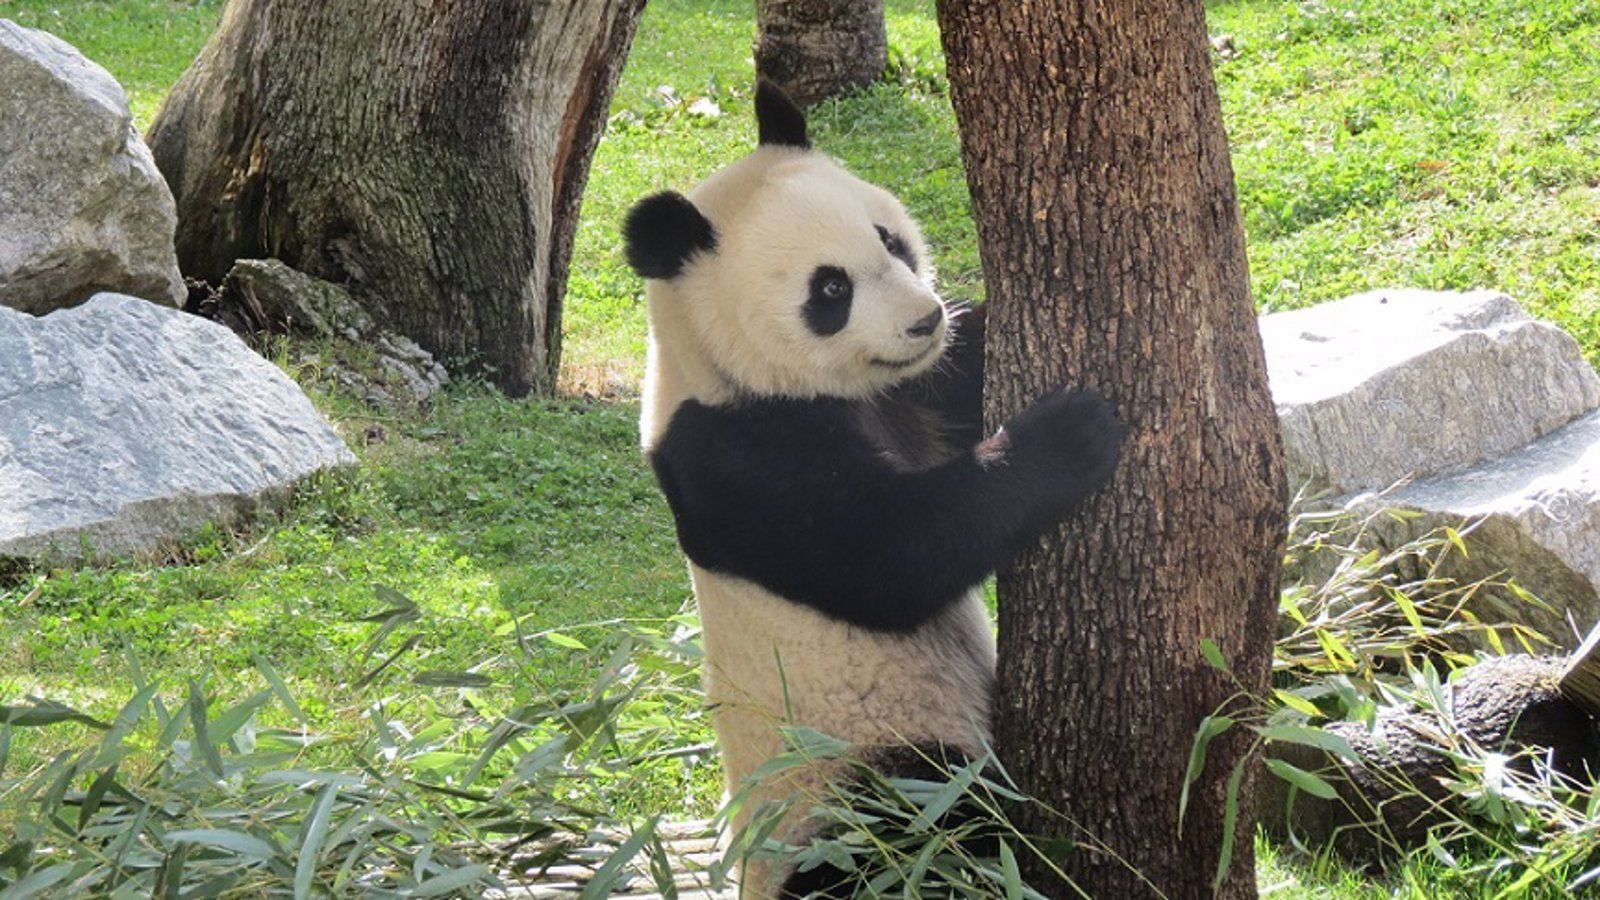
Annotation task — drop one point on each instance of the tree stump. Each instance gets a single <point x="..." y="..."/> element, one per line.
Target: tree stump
<point x="430" y="157"/>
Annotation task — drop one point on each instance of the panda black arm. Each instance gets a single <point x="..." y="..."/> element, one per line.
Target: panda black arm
<point x="788" y="495"/>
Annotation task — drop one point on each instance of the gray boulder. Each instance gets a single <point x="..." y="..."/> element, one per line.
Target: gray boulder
<point x="1533" y="515"/>
<point x="1454" y="410"/>
<point x="82" y="207"/>
<point x="1390" y="385"/>
<point x="125" y="426"/>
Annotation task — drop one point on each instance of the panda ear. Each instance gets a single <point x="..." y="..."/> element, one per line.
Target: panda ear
<point x="662" y="231"/>
<point x="778" y="121"/>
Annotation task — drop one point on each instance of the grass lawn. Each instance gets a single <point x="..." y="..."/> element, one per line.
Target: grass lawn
<point x="1398" y="143"/>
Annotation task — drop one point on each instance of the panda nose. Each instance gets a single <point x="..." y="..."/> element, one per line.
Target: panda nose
<point x="926" y="324"/>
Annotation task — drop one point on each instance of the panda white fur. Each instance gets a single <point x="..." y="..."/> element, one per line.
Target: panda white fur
<point x="813" y="415"/>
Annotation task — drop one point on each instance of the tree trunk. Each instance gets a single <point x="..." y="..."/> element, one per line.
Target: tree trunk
<point x="429" y="156"/>
<point x="814" y="49"/>
<point x="1114" y="258"/>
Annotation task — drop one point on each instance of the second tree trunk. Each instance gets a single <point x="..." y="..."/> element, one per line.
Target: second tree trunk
<point x="814" y="49"/>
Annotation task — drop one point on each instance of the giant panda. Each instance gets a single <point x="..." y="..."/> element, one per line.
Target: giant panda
<point x="812" y="411"/>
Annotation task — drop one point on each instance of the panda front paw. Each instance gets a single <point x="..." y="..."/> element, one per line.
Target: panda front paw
<point x="1073" y="436"/>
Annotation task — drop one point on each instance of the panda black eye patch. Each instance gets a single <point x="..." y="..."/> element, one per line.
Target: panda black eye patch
<point x="827" y="309"/>
<point x="897" y="247"/>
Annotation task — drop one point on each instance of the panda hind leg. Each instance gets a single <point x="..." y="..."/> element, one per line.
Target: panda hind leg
<point x="925" y="762"/>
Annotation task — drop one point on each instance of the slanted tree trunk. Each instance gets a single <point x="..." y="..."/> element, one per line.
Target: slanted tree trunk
<point x="814" y="49"/>
<point x="1114" y="258"/>
<point x="428" y="156"/>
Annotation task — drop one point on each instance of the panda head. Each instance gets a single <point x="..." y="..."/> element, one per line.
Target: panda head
<point x="784" y="275"/>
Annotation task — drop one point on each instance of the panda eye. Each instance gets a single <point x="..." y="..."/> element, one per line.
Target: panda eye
<point x="827" y="309"/>
<point x="891" y="241"/>
<point x="896" y="246"/>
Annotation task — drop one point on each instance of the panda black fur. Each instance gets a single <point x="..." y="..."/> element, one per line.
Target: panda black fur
<point x="813" y="415"/>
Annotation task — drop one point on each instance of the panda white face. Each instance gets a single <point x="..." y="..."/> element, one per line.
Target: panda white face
<point x="784" y="275"/>
<point x="819" y="283"/>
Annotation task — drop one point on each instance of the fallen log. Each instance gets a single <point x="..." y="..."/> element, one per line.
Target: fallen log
<point x="1509" y="711"/>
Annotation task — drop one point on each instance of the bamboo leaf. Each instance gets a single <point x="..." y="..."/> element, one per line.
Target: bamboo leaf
<point x="1210" y="727"/>
<point x="443" y="678"/>
<point x="275" y="681"/>
<point x="606" y="877"/>
<point x="1308" y="736"/>
<point x="225" y="726"/>
<point x="941" y="802"/>
<point x="450" y="882"/>
<point x="1300" y="778"/>
<point x="39" y="712"/>
<point x="562" y="640"/>
<point x="95" y="795"/>
<point x="1409" y="610"/>
<point x="37" y="882"/>
<point x="1230" y="822"/>
<point x="919" y="868"/>
<point x="316" y="828"/>
<point x="202" y="733"/>
<point x="237" y="842"/>
<point x="1297" y="703"/>
<point x="402" y="650"/>
<point x="1012" y="874"/>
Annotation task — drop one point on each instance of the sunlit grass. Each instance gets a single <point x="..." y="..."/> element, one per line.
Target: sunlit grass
<point x="1400" y="143"/>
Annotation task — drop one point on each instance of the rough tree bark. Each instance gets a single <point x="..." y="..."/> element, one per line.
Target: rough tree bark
<point x="428" y="156"/>
<point x="1114" y="258"/>
<point x="814" y="49"/>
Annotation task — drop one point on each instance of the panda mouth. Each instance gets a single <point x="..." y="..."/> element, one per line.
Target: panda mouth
<point x="905" y="363"/>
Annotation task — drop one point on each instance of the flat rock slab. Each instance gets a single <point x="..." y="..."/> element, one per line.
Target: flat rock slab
<point x="1534" y="514"/>
<point x="82" y="207"/>
<point x="1381" y="387"/>
<point x="126" y="426"/>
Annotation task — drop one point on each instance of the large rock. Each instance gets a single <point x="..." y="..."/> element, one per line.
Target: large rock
<point x="125" y="426"/>
<point x="82" y="207"/>
<point x="1488" y="413"/>
<point x="1533" y="514"/>
<point x="1385" y="386"/>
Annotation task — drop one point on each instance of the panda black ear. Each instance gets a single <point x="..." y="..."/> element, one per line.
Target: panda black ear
<point x="662" y="231"/>
<point x="778" y="121"/>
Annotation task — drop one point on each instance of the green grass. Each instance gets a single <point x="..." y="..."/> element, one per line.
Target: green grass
<point x="1402" y="143"/>
<point x="146" y="44"/>
<point x="1376" y="144"/>
<point x="484" y="511"/>
<point x="1419" y="144"/>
